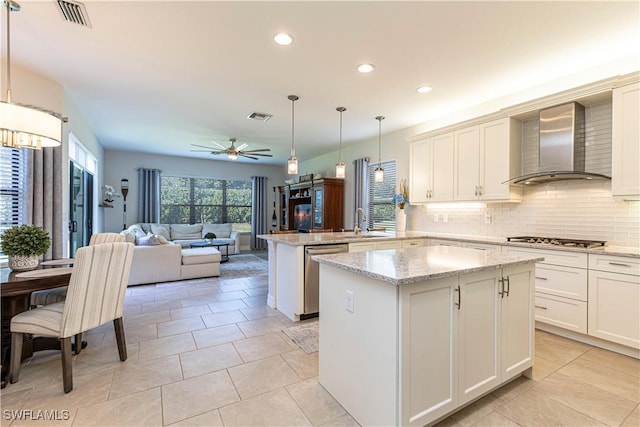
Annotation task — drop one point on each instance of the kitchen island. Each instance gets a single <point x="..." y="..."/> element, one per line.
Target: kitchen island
<point x="408" y="336"/>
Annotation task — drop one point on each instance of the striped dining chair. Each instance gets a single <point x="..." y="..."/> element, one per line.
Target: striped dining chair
<point x="50" y="296"/>
<point x="95" y="296"/>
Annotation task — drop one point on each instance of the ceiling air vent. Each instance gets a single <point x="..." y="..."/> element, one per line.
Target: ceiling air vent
<point x="261" y="117"/>
<point x="73" y="11"/>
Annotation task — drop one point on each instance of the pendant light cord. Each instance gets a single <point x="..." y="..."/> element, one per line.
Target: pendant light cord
<point x="8" y="3"/>
<point x="293" y="99"/>
<point x="341" y="110"/>
<point x="379" y="119"/>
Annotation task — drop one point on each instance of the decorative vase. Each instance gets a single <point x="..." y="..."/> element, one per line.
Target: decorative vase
<point x="23" y="262"/>
<point x="401" y="220"/>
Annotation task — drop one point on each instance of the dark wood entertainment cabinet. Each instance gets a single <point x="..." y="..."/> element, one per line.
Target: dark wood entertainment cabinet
<point x="312" y="205"/>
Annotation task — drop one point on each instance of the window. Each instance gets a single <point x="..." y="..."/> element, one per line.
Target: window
<point x="195" y="200"/>
<point x="13" y="189"/>
<point x="381" y="208"/>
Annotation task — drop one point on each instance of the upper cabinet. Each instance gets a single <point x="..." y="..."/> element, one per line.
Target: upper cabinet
<point x="625" y="150"/>
<point x="485" y="157"/>
<point x="431" y="169"/>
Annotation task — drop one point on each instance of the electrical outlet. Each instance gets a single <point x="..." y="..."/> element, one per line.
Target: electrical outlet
<point x="487" y="218"/>
<point x="348" y="301"/>
<point x="436" y="217"/>
<point x="445" y="217"/>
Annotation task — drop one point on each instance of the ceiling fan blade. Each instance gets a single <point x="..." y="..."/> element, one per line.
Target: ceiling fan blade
<point x="257" y="149"/>
<point x="222" y="147"/>
<point x="244" y="153"/>
<point x="242" y="146"/>
<point x="203" y="146"/>
<point x="202" y="151"/>
<point x="248" y="157"/>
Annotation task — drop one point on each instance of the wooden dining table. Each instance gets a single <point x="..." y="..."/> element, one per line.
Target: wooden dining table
<point x="15" y="296"/>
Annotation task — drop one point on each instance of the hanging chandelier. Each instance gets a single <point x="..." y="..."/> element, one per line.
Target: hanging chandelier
<point x="379" y="172"/>
<point x="292" y="163"/>
<point x="25" y="126"/>
<point x="340" y="168"/>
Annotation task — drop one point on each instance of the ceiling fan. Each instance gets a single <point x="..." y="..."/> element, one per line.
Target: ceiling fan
<point x="232" y="151"/>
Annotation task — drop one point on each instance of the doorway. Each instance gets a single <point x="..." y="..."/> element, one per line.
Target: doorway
<point x="81" y="201"/>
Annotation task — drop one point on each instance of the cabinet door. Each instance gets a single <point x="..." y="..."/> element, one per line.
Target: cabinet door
<point x="625" y="142"/>
<point x="389" y="244"/>
<point x="362" y="246"/>
<point x="517" y="320"/>
<point x="479" y="334"/>
<point x="614" y="307"/>
<point x="442" y="168"/>
<point x="420" y="170"/>
<point x="429" y="380"/>
<point x="494" y="160"/>
<point x="466" y="164"/>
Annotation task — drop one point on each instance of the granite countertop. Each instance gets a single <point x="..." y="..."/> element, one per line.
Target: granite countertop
<point x="301" y="239"/>
<point x="414" y="265"/>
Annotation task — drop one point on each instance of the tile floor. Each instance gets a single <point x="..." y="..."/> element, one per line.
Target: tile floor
<point x="209" y="352"/>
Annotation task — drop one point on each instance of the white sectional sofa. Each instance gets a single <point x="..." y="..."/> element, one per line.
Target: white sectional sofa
<point x="185" y="234"/>
<point x="170" y="262"/>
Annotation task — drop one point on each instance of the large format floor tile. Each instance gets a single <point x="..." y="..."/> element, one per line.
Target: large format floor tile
<point x="210" y="352"/>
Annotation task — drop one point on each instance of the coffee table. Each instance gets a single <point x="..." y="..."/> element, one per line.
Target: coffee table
<point x="224" y="257"/>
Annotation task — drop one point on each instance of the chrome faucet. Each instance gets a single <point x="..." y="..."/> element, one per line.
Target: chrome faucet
<point x="356" y="224"/>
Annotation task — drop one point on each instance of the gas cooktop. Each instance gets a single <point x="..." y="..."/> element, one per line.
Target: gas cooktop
<point x="559" y="242"/>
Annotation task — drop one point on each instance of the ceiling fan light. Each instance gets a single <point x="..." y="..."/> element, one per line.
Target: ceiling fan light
<point x="232" y="156"/>
<point x="292" y="165"/>
<point x="340" y="170"/>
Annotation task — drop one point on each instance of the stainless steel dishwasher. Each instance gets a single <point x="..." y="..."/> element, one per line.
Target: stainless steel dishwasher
<point x="311" y="275"/>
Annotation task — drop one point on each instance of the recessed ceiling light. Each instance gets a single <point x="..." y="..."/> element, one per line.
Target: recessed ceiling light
<point x="424" y="89"/>
<point x="283" y="39"/>
<point x="365" y="68"/>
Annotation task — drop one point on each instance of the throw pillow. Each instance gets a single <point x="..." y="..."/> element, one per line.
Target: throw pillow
<point x="133" y="228"/>
<point x="129" y="236"/>
<point x="148" y="240"/>
<point x="186" y="231"/>
<point x="160" y="231"/>
<point x="223" y="231"/>
<point x="162" y="240"/>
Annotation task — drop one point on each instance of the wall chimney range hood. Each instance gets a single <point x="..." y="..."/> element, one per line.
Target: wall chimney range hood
<point x="561" y="152"/>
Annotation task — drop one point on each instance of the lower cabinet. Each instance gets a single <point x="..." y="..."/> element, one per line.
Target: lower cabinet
<point x="373" y="246"/>
<point x="482" y="326"/>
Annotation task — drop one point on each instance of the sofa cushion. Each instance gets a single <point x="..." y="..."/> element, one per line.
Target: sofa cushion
<point x="200" y="256"/>
<point x="148" y="240"/>
<point x="186" y="232"/>
<point x="160" y="230"/>
<point x="129" y="236"/>
<point x="136" y="228"/>
<point x="220" y="230"/>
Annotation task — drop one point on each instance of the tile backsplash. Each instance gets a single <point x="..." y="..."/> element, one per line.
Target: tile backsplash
<point x="562" y="209"/>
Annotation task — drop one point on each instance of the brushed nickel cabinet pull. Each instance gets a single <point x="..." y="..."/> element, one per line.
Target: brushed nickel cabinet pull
<point x="459" y="303"/>
<point x="619" y="264"/>
<point x="541" y="307"/>
<point x="506" y="279"/>
<point x="541" y="278"/>
<point x="501" y="291"/>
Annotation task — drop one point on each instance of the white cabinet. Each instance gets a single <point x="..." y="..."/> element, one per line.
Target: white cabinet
<point x="482" y="326"/>
<point x="625" y="143"/>
<point x="614" y="299"/>
<point x="442" y="242"/>
<point x="481" y="246"/>
<point x="486" y="156"/>
<point x="431" y="169"/>
<point x="373" y="246"/>
<point x="414" y="243"/>
<point x="560" y="288"/>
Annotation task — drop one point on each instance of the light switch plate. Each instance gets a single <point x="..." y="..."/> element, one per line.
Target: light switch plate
<point x="348" y="301"/>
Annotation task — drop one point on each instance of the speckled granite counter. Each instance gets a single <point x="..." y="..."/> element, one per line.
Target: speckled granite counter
<point x="414" y="265"/>
<point x="302" y="239"/>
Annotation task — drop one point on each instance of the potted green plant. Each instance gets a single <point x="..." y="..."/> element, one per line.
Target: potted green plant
<point x="24" y="244"/>
<point x="210" y="237"/>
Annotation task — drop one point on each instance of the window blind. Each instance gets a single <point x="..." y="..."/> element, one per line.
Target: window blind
<point x="381" y="210"/>
<point x="13" y="189"/>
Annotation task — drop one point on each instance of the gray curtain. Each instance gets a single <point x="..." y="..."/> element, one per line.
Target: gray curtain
<point x="44" y="206"/>
<point x="148" y="195"/>
<point x="361" y="182"/>
<point x="259" y="213"/>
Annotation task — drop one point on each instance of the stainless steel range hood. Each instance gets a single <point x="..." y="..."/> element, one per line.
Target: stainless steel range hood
<point x="561" y="150"/>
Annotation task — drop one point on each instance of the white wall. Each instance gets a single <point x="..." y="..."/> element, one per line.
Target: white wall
<point x="124" y="164"/>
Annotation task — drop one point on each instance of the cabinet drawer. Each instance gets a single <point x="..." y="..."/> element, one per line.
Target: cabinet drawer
<point x="391" y="244"/>
<point x="614" y="264"/>
<point x="565" y="282"/>
<point x="414" y="243"/>
<point x="565" y="258"/>
<point x="362" y="247"/>
<point x="562" y="312"/>
<point x="481" y="246"/>
<point x="439" y="242"/>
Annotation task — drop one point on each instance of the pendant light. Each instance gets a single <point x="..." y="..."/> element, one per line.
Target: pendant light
<point x="292" y="163"/>
<point x="379" y="172"/>
<point x="340" y="168"/>
<point x="22" y="126"/>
